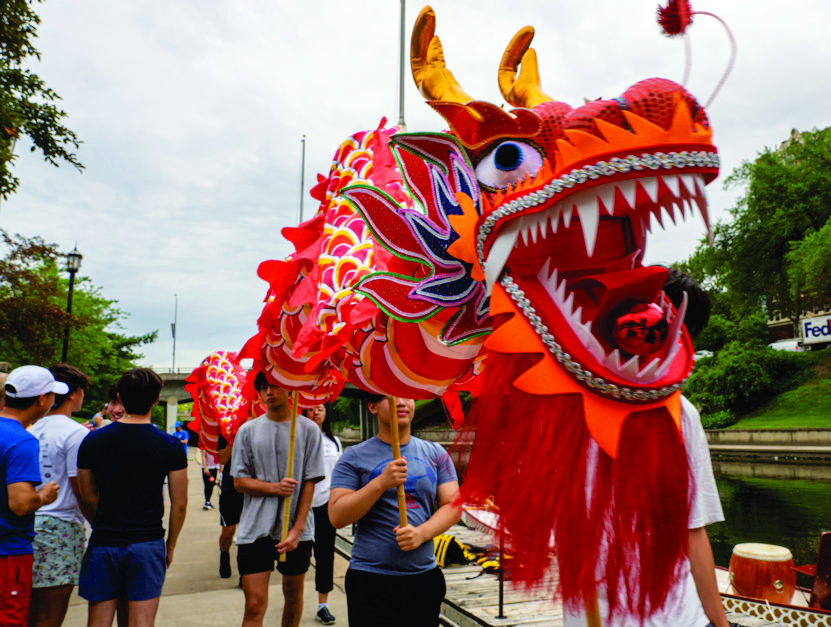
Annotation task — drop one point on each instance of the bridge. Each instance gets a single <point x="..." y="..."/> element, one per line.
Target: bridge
<point x="173" y="393"/>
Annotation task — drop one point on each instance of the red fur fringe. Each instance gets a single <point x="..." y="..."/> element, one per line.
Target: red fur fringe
<point x="621" y="524"/>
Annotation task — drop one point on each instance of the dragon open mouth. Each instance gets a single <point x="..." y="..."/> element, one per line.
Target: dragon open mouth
<point x="569" y="253"/>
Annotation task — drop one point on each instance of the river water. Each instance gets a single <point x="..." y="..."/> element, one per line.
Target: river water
<point x="786" y="512"/>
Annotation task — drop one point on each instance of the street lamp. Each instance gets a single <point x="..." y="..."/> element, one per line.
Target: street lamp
<point x="73" y="264"/>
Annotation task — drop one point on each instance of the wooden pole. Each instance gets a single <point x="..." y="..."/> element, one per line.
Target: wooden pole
<point x="592" y="611"/>
<point x="396" y="453"/>
<point x="289" y="471"/>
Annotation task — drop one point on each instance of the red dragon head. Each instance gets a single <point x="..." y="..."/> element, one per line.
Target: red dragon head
<point x="585" y="349"/>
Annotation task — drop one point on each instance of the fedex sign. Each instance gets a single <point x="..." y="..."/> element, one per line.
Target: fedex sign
<point x="816" y="329"/>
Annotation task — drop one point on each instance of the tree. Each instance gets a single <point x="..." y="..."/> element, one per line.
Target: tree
<point x="27" y="105"/>
<point x="33" y="317"/>
<point x="809" y="264"/>
<point x="787" y="197"/>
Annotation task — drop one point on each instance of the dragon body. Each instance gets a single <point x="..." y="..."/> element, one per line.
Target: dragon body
<point x="505" y="256"/>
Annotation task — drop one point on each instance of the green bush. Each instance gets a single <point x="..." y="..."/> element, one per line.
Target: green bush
<point x="718" y="420"/>
<point x="345" y="413"/>
<point x="740" y="377"/>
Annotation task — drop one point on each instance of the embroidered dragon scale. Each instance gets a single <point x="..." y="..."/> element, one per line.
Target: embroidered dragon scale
<point x="505" y="257"/>
<point x="219" y="407"/>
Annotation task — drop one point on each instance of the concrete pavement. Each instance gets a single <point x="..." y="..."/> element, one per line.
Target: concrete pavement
<point x="195" y="595"/>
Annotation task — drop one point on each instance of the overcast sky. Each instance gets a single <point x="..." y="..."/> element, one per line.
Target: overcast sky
<point x="192" y="112"/>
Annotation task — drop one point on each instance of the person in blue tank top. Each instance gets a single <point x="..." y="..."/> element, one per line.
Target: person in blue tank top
<point x="393" y="578"/>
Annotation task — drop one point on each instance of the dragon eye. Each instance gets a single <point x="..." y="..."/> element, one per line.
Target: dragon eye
<point x="506" y="163"/>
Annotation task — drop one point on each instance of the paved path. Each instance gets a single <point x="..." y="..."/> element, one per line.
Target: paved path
<point x="195" y="595"/>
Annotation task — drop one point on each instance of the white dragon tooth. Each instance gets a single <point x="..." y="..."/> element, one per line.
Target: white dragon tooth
<point x="567" y="212"/>
<point x="542" y="222"/>
<point x="589" y="220"/>
<point x="612" y="362"/>
<point x="630" y="368"/>
<point x="532" y="227"/>
<point x="650" y="186"/>
<point x="673" y="335"/>
<point x="568" y="305"/>
<point x="657" y="215"/>
<point x="649" y="371"/>
<point x="699" y="182"/>
<point x="523" y="230"/>
<point x="628" y="189"/>
<point x="669" y="207"/>
<point x="577" y="316"/>
<point x="499" y="253"/>
<point x="671" y="181"/>
<point x="554" y="218"/>
<point x="542" y="275"/>
<point x="591" y="344"/>
<point x="687" y="203"/>
<point x="668" y="361"/>
<point x="559" y="295"/>
<point x="688" y="181"/>
<point x="606" y="195"/>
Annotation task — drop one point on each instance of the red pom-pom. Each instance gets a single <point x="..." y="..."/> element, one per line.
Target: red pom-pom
<point x="642" y="331"/>
<point x="675" y="17"/>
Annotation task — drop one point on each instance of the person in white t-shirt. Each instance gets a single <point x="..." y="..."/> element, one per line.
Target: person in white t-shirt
<point x="695" y="600"/>
<point x="59" y="527"/>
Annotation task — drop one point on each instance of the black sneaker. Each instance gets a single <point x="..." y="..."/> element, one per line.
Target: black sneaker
<point x="224" y="564"/>
<point x="325" y="616"/>
<point x="207" y="505"/>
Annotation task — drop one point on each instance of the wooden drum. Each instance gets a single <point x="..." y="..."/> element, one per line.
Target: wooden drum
<point x="763" y="571"/>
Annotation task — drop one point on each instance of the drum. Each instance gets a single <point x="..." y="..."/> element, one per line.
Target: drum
<point x="763" y="571"/>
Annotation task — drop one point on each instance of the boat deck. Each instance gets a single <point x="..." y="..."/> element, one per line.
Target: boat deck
<point x="472" y="598"/>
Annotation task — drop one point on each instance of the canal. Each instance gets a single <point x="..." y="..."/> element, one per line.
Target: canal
<point x="789" y="512"/>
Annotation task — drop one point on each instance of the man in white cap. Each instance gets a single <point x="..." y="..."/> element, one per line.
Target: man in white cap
<point x="30" y="394"/>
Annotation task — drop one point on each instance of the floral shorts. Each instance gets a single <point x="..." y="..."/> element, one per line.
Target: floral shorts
<point x="58" y="549"/>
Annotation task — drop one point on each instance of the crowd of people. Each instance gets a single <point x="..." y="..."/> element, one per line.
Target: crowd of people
<point x="111" y="473"/>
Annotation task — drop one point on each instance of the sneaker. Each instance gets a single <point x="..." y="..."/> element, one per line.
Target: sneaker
<point x="224" y="564"/>
<point x="207" y="505"/>
<point x="325" y="616"/>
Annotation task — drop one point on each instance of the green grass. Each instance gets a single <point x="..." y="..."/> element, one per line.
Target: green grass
<point x="807" y="406"/>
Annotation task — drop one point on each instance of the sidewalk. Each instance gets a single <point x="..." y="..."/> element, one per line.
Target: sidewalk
<point x="195" y="595"/>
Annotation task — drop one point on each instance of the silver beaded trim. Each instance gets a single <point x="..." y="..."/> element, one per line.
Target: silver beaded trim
<point x="586" y="377"/>
<point x="616" y="165"/>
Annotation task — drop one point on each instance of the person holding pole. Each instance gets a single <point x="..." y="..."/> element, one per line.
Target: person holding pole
<point x="259" y="464"/>
<point x="393" y="578"/>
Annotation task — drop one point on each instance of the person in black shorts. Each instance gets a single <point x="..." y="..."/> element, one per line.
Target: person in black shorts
<point x="258" y="464"/>
<point x="121" y="473"/>
<point x="230" y="508"/>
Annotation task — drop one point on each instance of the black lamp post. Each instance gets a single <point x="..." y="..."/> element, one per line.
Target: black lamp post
<point x="73" y="264"/>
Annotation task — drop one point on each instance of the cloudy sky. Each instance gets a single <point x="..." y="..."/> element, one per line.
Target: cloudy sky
<point x="192" y="114"/>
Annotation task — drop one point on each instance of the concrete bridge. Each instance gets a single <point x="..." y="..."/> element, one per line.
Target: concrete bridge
<point x="173" y="393"/>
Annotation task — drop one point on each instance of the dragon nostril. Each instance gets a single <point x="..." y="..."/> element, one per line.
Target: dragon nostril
<point x="508" y="157"/>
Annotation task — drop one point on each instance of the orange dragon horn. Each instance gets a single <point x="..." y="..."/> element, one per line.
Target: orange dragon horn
<point x="524" y="90"/>
<point x="433" y="79"/>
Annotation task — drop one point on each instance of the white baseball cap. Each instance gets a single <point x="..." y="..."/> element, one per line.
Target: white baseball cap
<point x="31" y="381"/>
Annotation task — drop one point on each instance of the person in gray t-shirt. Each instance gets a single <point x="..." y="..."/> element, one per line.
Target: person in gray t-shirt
<point x="258" y="465"/>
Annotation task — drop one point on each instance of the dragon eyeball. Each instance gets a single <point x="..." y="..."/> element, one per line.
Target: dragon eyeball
<point x="508" y="162"/>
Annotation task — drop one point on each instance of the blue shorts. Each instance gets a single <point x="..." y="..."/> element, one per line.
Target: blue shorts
<point x="136" y="571"/>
